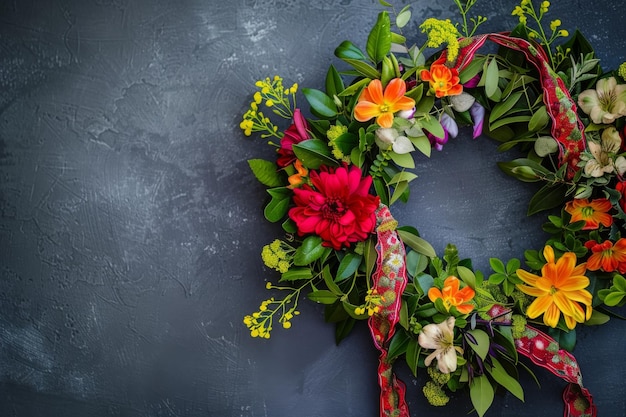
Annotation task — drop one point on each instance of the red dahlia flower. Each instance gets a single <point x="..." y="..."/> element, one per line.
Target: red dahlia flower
<point x="294" y="134"/>
<point x="338" y="207"/>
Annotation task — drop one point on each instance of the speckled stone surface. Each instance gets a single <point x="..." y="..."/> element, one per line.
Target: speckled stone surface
<point x="131" y="226"/>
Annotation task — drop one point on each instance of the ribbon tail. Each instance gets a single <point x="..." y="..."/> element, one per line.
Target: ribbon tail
<point x="544" y="351"/>
<point x="389" y="280"/>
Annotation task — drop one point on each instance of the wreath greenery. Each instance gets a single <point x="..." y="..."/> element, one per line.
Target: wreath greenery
<point x="337" y="173"/>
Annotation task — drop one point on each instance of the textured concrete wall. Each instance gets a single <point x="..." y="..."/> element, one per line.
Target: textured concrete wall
<point x="131" y="226"/>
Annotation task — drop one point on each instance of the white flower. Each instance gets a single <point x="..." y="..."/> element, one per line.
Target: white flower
<point x="606" y="103"/>
<point x="602" y="162"/>
<point x="440" y="337"/>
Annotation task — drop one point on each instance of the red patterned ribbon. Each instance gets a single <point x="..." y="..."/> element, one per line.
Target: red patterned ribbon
<point x="544" y="351"/>
<point x="567" y="128"/>
<point x="389" y="280"/>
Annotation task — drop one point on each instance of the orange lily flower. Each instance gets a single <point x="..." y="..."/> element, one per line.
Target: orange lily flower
<point x="298" y="178"/>
<point x="559" y="289"/>
<point x="607" y="256"/>
<point x="453" y="296"/>
<point x="443" y="81"/>
<point x="593" y="212"/>
<point x="374" y="102"/>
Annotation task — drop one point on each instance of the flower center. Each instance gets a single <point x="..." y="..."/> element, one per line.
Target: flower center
<point x="587" y="212"/>
<point x="384" y="108"/>
<point x="334" y="209"/>
<point x="553" y="290"/>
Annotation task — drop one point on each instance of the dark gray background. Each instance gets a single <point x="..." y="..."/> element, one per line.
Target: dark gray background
<point x="131" y="227"/>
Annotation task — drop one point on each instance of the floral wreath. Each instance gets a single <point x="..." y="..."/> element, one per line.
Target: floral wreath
<point x="337" y="173"/>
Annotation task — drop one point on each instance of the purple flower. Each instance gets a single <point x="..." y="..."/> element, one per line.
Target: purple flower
<point x="450" y="130"/>
<point x="478" y="116"/>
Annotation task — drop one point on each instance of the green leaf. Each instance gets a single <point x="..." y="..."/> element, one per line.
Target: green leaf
<point x="330" y="282"/>
<point x="509" y="120"/>
<point x="334" y="83"/>
<point x="405" y="160"/>
<point x="539" y="119"/>
<point x="614" y="298"/>
<point x="379" y="39"/>
<point x="266" y="172"/>
<point x="503" y="107"/>
<point x="481" y="347"/>
<point x="412" y="355"/>
<point x="278" y="206"/>
<point x="481" y="394"/>
<point x="422" y="144"/>
<point x="399" y="191"/>
<point x="549" y="196"/>
<point x="472" y="69"/>
<point x="502" y="377"/>
<point x="497" y="265"/>
<point x="417" y="243"/>
<point x="402" y="176"/>
<point x="364" y="68"/>
<point x="320" y="102"/>
<point x="313" y="153"/>
<point x="491" y="79"/>
<point x="343" y="329"/>
<point x="398" y="344"/>
<point x="310" y="251"/>
<point x="322" y="296"/>
<point x="294" y="274"/>
<point x="348" y="265"/>
<point x="348" y="50"/>
<point x="619" y="282"/>
<point x="467" y="276"/>
<point x="432" y="124"/>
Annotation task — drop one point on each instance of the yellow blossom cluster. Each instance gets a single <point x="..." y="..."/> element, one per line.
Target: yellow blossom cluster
<point x="435" y="395"/>
<point x="276" y="96"/>
<point x="525" y="10"/>
<point x="622" y="71"/>
<point x="437" y="376"/>
<point x="518" y="325"/>
<point x="373" y="301"/>
<point x="273" y="95"/>
<point x="277" y="255"/>
<point x="260" y="322"/>
<point x="440" y="32"/>
<point x="334" y="132"/>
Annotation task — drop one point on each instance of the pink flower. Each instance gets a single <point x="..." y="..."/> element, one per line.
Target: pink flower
<point x="294" y="134"/>
<point x="338" y="207"/>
